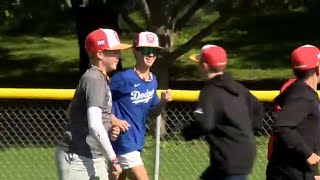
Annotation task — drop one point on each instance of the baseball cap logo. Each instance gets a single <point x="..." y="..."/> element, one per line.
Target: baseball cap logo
<point x="116" y="36"/>
<point x="101" y="42"/>
<point x="150" y="38"/>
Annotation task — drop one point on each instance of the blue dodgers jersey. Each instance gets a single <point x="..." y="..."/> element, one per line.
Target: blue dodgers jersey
<point x="132" y="100"/>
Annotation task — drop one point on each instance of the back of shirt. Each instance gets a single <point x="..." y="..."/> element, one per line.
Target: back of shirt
<point x="92" y="91"/>
<point x="228" y="113"/>
<point x="297" y="127"/>
<point x="133" y="99"/>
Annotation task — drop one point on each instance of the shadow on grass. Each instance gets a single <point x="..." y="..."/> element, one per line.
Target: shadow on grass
<point x="37" y="71"/>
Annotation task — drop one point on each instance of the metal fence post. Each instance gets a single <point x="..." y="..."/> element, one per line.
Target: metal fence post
<point x="157" y="150"/>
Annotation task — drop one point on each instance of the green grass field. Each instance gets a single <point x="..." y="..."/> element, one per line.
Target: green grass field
<point x="178" y="160"/>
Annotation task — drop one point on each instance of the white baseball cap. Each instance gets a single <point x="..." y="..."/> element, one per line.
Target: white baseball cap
<point x="146" y="39"/>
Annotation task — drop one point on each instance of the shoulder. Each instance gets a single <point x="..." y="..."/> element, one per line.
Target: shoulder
<point x="154" y="76"/>
<point x="287" y="84"/>
<point x="92" y="75"/>
<point x="123" y="74"/>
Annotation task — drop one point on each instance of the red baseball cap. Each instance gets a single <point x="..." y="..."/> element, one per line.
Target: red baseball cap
<point x="305" y="57"/>
<point x="104" y="39"/>
<point x="146" y="39"/>
<point x="213" y="55"/>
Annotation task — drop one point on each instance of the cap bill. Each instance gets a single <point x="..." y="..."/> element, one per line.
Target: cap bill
<point x="195" y="57"/>
<point x="120" y="47"/>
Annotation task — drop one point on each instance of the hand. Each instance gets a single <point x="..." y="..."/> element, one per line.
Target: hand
<point x="313" y="159"/>
<point x="166" y="96"/>
<point x="317" y="177"/>
<point x="122" y="124"/>
<point x="116" y="171"/>
<point x="114" y="132"/>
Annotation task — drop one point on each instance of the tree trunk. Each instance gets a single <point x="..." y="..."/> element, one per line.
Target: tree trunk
<point x="161" y="25"/>
<point x="89" y="18"/>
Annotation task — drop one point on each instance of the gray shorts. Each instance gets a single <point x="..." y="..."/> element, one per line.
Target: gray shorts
<point x="73" y="167"/>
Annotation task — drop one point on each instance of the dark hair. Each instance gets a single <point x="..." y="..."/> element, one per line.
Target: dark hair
<point x="304" y="74"/>
<point x="216" y="69"/>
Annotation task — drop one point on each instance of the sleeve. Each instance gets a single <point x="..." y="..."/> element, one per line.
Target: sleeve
<point x="96" y="91"/>
<point x="205" y="113"/>
<point x="117" y="86"/>
<point x="291" y="115"/>
<point x="256" y="111"/>
<point x="97" y="130"/>
<point x="205" y="120"/>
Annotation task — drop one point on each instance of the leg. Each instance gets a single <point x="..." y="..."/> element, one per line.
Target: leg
<point x="236" y="177"/>
<point x="71" y="167"/>
<point x="123" y="176"/>
<point x="137" y="173"/>
<point x="219" y="175"/>
<point x="133" y="167"/>
<point x="62" y="165"/>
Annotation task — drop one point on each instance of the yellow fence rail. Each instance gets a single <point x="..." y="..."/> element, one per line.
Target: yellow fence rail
<point x="67" y="94"/>
<point x="33" y="120"/>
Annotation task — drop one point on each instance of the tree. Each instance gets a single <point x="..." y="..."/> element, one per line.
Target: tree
<point x="89" y="16"/>
<point x="168" y="17"/>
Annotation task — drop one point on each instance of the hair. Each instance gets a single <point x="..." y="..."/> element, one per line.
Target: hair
<point x="303" y="75"/>
<point x="219" y="69"/>
<point x="134" y="43"/>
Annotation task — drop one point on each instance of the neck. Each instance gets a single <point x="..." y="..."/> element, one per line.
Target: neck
<point x="312" y="82"/>
<point x="142" y="70"/>
<point x="100" y="67"/>
<point x="212" y="75"/>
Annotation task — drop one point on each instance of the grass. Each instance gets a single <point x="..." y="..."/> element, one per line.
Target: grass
<point x="36" y="61"/>
<point x="178" y="160"/>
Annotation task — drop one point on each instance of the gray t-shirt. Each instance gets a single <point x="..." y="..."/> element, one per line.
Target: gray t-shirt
<point x="92" y="91"/>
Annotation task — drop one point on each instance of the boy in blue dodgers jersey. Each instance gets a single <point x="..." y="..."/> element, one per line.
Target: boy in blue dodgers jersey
<point x="85" y="145"/>
<point x="134" y="93"/>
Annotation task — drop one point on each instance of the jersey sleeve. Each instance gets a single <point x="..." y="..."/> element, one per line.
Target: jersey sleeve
<point x="95" y="91"/>
<point x="294" y="110"/>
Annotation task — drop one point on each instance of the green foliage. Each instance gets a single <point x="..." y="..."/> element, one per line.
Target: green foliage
<point x="37" y="17"/>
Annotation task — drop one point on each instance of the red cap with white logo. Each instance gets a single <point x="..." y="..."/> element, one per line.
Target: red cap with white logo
<point x="147" y="39"/>
<point x="305" y="57"/>
<point x="214" y="56"/>
<point x="104" y="39"/>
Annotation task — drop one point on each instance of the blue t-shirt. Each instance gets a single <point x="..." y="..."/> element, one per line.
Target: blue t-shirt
<point x="132" y="100"/>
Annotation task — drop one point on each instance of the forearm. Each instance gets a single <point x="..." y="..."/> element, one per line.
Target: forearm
<point x="97" y="130"/>
<point x="156" y="111"/>
<point x="294" y="141"/>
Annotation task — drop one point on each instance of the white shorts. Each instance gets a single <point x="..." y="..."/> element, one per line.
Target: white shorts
<point x="130" y="160"/>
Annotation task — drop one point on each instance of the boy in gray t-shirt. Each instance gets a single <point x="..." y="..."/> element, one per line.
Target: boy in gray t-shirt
<point x="82" y="151"/>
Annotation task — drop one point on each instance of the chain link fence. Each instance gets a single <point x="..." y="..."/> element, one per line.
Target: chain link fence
<point x="29" y="130"/>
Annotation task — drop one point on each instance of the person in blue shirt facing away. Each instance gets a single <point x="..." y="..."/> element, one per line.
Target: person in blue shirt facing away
<point x="134" y="97"/>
